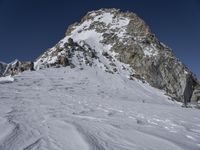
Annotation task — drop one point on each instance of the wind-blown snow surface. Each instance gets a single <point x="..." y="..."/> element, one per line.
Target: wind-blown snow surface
<point x="72" y="109"/>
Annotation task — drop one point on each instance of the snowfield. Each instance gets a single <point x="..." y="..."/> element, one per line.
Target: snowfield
<point x="89" y="109"/>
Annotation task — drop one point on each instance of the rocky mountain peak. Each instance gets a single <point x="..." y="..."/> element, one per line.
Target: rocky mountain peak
<point x="121" y="42"/>
<point x="113" y="20"/>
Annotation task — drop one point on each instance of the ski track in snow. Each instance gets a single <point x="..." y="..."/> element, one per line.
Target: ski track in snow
<point x="69" y="109"/>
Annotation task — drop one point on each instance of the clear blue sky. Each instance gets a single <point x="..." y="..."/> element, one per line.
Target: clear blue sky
<point x="29" y="27"/>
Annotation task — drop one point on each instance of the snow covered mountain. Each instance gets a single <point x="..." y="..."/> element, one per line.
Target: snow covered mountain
<point x="121" y="43"/>
<point x="109" y="84"/>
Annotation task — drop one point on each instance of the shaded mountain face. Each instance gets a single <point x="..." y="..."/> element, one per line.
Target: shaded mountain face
<point x="122" y="43"/>
<point x="2" y="68"/>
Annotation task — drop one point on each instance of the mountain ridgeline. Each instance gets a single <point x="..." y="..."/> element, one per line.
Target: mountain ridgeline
<point x="122" y="43"/>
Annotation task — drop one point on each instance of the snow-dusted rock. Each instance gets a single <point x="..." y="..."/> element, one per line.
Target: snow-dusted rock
<point x="17" y="66"/>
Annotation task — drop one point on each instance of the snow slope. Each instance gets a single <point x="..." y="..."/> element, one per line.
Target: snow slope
<point x="89" y="109"/>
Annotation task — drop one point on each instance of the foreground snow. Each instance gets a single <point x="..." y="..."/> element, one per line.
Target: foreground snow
<point x="72" y="109"/>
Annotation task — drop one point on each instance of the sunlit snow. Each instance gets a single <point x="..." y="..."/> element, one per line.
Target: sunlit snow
<point x="73" y="109"/>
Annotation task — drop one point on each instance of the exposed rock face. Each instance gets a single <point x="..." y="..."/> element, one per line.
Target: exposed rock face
<point x="17" y="66"/>
<point x="196" y="94"/>
<point x="70" y="54"/>
<point x="2" y="68"/>
<point x="122" y="37"/>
